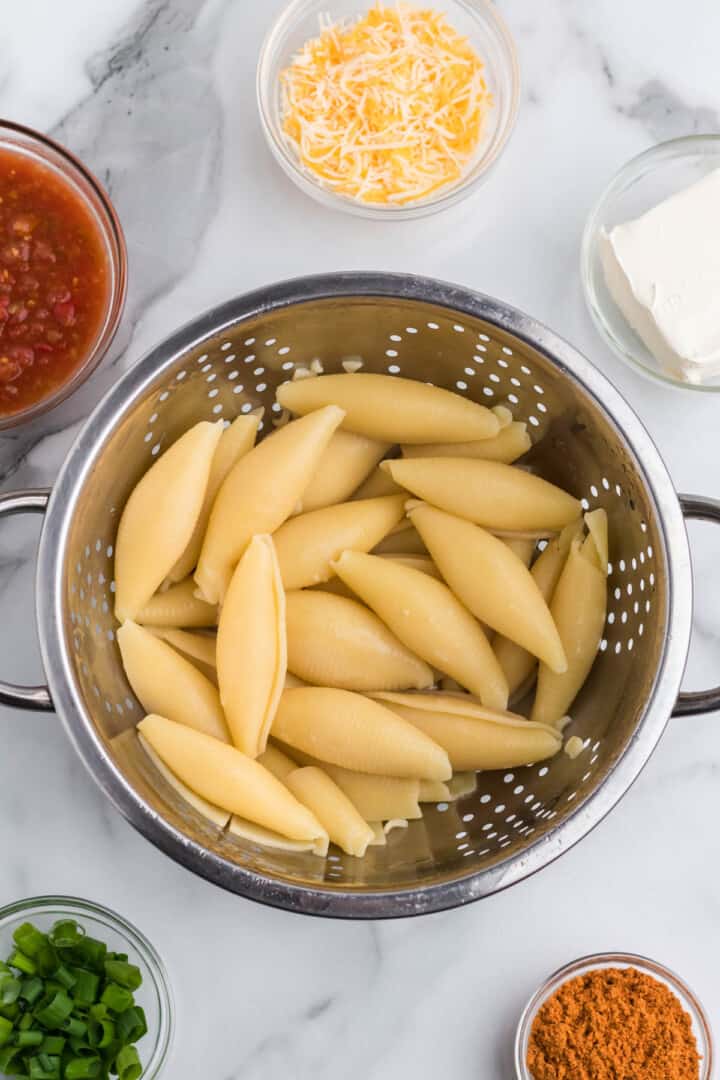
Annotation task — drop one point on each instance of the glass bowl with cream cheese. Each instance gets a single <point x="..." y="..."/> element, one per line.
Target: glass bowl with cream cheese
<point x="650" y="263"/>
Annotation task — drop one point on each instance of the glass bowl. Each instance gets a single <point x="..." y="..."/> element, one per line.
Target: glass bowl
<point x="642" y="183"/>
<point x="32" y="144"/>
<point x="154" y="995"/>
<point x="700" y="1022"/>
<point x="476" y="19"/>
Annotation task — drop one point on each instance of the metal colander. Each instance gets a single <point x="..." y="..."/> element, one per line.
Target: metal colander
<point x="586" y="439"/>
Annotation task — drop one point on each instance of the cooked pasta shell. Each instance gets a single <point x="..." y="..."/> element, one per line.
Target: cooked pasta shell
<point x="378" y="483"/>
<point x="597" y="525"/>
<point x="350" y="730"/>
<point x="504" y="416"/>
<point x="199" y="649"/>
<point x="292" y="681"/>
<point x="491" y="581"/>
<point x="251" y="647"/>
<point x="489" y="493"/>
<point x="459" y="784"/>
<point x="248" y="830"/>
<point x="178" y="606"/>
<point x="342" y="468"/>
<point x="392" y="409"/>
<point x="429" y="620"/>
<point x="377" y="798"/>
<point x="379" y="838"/>
<point x="517" y="663"/>
<point x="578" y="607"/>
<point x="229" y="779"/>
<point x="307" y="545"/>
<point x="508" y="445"/>
<point x="162" y="679"/>
<point x="406" y="541"/>
<point x="423" y="563"/>
<point x="279" y="764"/>
<point x="333" y="641"/>
<point x="522" y="546"/>
<point x="159" y="517"/>
<point x="332" y="808"/>
<point x="259" y="493"/>
<point x="235" y="441"/>
<point x="208" y="810"/>
<point x="475" y="737"/>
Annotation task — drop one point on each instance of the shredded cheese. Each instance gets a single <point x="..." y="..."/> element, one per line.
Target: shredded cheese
<point x="387" y="109"/>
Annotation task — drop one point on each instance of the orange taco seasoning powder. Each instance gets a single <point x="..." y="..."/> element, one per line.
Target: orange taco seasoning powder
<point x="613" y="1024"/>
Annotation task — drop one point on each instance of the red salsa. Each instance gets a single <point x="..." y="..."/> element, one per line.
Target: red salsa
<point x="54" y="281"/>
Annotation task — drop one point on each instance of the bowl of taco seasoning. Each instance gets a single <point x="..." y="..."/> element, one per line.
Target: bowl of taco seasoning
<point x="614" y="1015"/>
<point x="63" y="272"/>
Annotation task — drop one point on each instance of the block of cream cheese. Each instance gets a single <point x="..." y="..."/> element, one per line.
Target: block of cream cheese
<point x="663" y="272"/>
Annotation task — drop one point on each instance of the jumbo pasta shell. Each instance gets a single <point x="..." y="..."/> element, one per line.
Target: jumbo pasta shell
<point x="307" y="545"/>
<point x="517" y="663"/>
<point x="159" y="517"/>
<point x="162" y="679"/>
<point x="251" y="646"/>
<point x="490" y="579"/>
<point x="510" y="443"/>
<point x="332" y="808"/>
<point x="392" y="409"/>
<point x="236" y="440"/>
<point x="229" y="779"/>
<point x="426" y="616"/>
<point x="176" y="607"/>
<point x="494" y="495"/>
<point x="578" y="606"/>
<point x="199" y="649"/>
<point x="348" y="729"/>
<point x="343" y="466"/>
<point x="213" y="813"/>
<point x="259" y="493"/>
<point x="474" y="737"/>
<point x="333" y="641"/>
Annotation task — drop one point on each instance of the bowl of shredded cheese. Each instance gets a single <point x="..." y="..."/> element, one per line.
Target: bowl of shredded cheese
<point x="388" y="109"/>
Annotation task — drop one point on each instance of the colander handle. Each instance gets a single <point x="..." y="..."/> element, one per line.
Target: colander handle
<point x="691" y="702"/>
<point x="25" y="697"/>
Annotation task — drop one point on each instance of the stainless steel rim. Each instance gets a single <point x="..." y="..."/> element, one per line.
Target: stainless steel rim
<point x="331" y="900"/>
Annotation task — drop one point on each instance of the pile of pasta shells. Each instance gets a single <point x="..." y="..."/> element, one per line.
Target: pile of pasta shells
<point x="326" y="628"/>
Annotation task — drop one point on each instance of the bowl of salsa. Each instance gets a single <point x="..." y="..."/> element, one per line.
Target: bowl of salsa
<point x="62" y="273"/>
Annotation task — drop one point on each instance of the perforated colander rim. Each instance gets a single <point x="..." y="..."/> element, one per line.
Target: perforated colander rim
<point x="332" y="900"/>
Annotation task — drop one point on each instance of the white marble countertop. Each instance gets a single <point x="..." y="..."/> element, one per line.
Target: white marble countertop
<point x="158" y="97"/>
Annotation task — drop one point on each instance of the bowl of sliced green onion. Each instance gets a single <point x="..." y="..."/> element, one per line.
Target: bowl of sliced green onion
<point x="83" y="994"/>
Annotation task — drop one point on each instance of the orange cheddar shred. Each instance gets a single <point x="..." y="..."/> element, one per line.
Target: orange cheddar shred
<point x="386" y="109"/>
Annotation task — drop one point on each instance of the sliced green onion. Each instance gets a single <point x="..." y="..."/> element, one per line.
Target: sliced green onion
<point x="116" y="997"/>
<point x="29" y="939"/>
<point x="23" y="963"/>
<point x="53" y="1044"/>
<point x="10" y="988"/>
<point x="83" y="1068"/>
<point x="131" y="1025"/>
<point x="44" y="1067"/>
<point x="87" y="986"/>
<point x="7" y="1060"/>
<point x="81" y="1047"/>
<point x="56" y="1012"/>
<point x="29" y="1038"/>
<point x="90" y="953"/>
<point x="100" y="1032"/>
<point x="47" y="960"/>
<point x="10" y="1012"/>
<point x="128" y="1064"/>
<point x="125" y="974"/>
<point x="31" y="989"/>
<point x="66" y="934"/>
<point x="6" y="1030"/>
<point x="75" y="1027"/>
